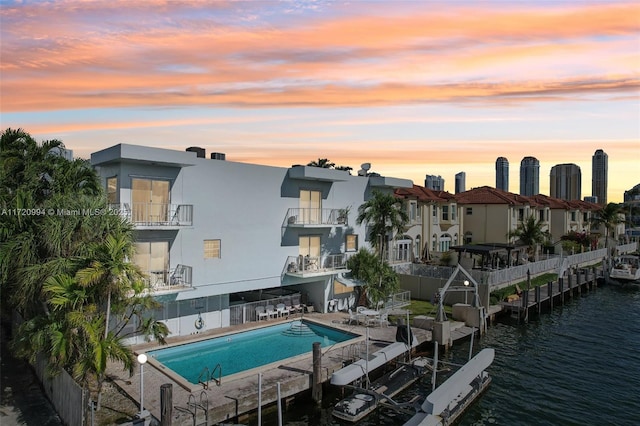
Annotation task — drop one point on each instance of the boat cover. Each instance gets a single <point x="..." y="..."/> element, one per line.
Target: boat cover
<point x="354" y="371"/>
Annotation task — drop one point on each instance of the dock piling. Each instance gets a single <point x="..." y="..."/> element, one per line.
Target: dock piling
<point x="316" y="388"/>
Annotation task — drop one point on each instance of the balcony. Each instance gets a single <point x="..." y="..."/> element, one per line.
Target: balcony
<point x="309" y="266"/>
<point x="316" y="218"/>
<point x="168" y="281"/>
<point x="156" y="215"/>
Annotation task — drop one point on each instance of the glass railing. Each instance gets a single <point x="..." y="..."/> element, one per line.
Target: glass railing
<point x="311" y="216"/>
<point x="300" y="265"/>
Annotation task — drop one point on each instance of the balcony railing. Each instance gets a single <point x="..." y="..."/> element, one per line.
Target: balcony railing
<point x="156" y="214"/>
<point x="178" y="278"/>
<point x="316" y="217"/>
<point x="319" y="265"/>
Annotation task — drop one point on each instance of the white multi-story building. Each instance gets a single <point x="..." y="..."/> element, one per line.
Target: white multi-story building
<point x="214" y="235"/>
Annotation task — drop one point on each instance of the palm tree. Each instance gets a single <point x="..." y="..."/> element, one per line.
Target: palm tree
<point x="110" y="268"/>
<point x="381" y="280"/>
<point x="322" y="163"/>
<point x="384" y="215"/>
<point x="608" y="217"/>
<point x="530" y="233"/>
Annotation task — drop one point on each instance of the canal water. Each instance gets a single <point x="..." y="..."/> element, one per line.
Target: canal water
<point x="576" y="365"/>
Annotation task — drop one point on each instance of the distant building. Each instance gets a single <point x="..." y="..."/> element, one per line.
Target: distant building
<point x="461" y="182"/>
<point x="502" y="174"/>
<point x="591" y="199"/>
<point x="566" y="182"/>
<point x="433" y="182"/>
<point x="599" y="173"/>
<point x="529" y="176"/>
<point x="62" y="152"/>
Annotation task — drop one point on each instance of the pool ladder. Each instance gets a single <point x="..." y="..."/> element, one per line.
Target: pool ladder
<point x="193" y="407"/>
<point x="210" y="375"/>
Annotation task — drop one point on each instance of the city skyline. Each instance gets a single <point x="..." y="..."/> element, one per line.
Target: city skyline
<point x="410" y="87"/>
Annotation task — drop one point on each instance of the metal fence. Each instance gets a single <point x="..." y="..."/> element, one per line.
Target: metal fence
<point x="246" y="312"/>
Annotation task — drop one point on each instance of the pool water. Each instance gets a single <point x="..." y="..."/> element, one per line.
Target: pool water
<point x="249" y="349"/>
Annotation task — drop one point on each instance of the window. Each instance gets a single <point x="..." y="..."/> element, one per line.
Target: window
<point x="453" y="212"/>
<point x="573" y="216"/>
<point x="585" y="217"/>
<point x="445" y="242"/>
<point x="469" y="211"/>
<point x="413" y="211"/>
<point x="435" y="211"/>
<point x="112" y="190"/>
<point x="212" y="249"/>
<point x="541" y="215"/>
<point x="351" y="242"/>
<point x="468" y="237"/>
<point x="445" y="212"/>
<point x="521" y="215"/>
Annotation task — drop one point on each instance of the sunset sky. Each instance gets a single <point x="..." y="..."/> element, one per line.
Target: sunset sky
<point x="414" y="88"/>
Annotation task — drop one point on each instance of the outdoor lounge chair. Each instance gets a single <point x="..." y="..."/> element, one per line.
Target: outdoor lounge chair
<point x="271" y="312"/>
<point x="260" y="313"/>
<point x="353" y="317"/>
<point x="282" y="310"/>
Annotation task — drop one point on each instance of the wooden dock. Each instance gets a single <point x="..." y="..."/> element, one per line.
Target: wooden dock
<point x="551" y="294"/>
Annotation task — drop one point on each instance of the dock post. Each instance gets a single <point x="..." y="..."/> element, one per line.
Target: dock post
<point x="538" y="297"/>
<point x="570" y="278"/>
<point x="166" y="404"/>
<point x="594" y="281"/>
<point x="525" y="304"/>
<point x="316" y="389"/>
<point x="550" y="292"/>
<point x="561" y="288"/>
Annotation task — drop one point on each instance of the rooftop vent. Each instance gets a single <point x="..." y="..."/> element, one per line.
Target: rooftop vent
<point x="218" y="156"/>
<point x="200" y="152"/>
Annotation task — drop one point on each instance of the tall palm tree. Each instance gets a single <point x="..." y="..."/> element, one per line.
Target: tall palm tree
<point x="530" y="233"/>
<point x="111" y="269"/>
<point x="608" y="217"/>
<point x="384" y="215"/>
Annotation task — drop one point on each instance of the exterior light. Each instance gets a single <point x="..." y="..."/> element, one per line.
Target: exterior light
<point x="142" y="359"/>
<point x="466" y="283"/>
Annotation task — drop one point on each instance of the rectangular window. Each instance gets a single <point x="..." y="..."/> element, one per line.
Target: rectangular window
<point x="112" y="190"/>
<point x="585" y="217"/>
<point x="445" y="212"/>
<point x="541" y="215"/>
<point x="573" y="216"/>
<point x="351" y="243"/>
<point x="435" y="211"/>
<point x="212" y="249"/>
<point x="521" y="215"/>
<point x="469" y="211"/>
<point x="413" y="211"/>
<point x="453" y="212"/>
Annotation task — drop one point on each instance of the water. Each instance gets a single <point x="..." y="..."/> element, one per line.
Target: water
<point x="249" y="349"/>
<point x="576" y="365"/>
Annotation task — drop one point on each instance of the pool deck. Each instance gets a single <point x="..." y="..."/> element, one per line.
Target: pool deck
<point x="238" y="394"/>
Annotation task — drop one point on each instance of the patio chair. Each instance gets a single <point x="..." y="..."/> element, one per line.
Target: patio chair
<point x="353" y="317"/>
<point x="282" y="310"/>
<point x="271" y="312"/>
<point x="381" y="320"/>
<point x="260" y="313"/>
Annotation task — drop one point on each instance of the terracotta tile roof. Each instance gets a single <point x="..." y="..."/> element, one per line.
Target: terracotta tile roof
<point x="489" y="195"/>
<point x="423" y="194"/>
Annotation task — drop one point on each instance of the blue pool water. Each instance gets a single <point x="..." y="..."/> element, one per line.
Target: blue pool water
<point x="249" y="349"/>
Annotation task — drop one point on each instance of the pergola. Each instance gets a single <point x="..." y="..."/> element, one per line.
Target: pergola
<point x="490" y="252"/>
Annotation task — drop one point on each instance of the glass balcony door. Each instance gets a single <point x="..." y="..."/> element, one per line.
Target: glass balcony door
<point x="311" y="207"/>
<point x="150" y="199"/>
<point x="152" y="257"/>
<point x="309" y="252"/>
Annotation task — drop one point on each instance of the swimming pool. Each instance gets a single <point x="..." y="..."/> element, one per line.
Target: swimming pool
<point x="249" y="349"/>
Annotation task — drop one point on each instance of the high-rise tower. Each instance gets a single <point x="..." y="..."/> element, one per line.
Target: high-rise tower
<point x="599" y="171"/>
<point x="433" y="182"/>
<point x="566" y="181"/>
<point x="502" y="174"/>
<point x="461" y="184"/>
<point x="529" y="176"/>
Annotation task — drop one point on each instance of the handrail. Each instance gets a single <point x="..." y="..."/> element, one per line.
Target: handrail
<point x="207" y="375"/>
<point x="219" y="379"/>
